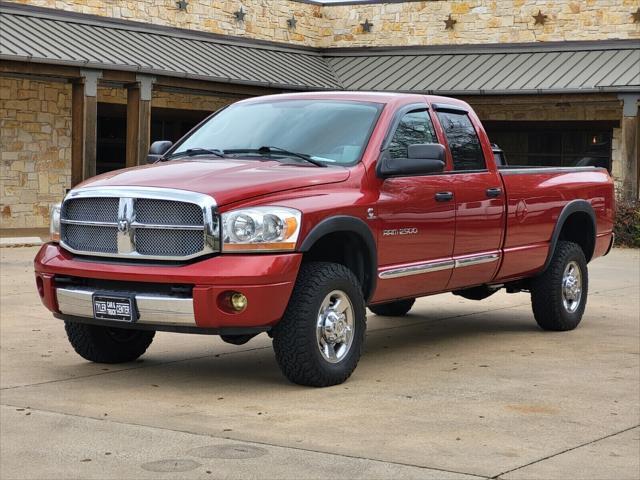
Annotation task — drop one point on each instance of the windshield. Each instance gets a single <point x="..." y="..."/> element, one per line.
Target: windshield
<point x="334" y="132"/>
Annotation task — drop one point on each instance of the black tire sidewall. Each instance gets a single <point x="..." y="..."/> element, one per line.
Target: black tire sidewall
<point x="294" y="337"/>
<point x="573" y="318"/>
<point x="546" y="290"/>
<point x="96" y="344"/>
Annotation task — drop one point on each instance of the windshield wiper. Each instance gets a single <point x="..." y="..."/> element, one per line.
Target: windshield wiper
<point x="192" y="152"/>
<point x="266" y="150"/>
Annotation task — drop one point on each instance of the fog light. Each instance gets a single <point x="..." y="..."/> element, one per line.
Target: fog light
<point x="238" y="301"/>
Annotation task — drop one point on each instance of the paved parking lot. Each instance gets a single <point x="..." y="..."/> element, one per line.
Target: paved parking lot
<point x="458" y="389"/>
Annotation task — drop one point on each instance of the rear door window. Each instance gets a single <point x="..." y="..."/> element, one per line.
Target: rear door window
<point x="463" y="141"/>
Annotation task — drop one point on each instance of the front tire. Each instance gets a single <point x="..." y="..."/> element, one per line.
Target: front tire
<point x="559" y="295"/>
<point x="321" y="336"/>
<point x="399" y="308"/>
<point x="106" y="344"/>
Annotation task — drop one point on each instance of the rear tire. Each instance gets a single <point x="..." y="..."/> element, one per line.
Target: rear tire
<point x="559" y="295"/>
<point x="321" y="336"/>
<point x="106" y="344"/>
<point x="399" y="308"/>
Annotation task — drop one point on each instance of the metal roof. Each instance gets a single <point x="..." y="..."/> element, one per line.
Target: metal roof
<point x="29" y="36"/>
<point x="575" y="68"/>
<point x="54" y="37"/>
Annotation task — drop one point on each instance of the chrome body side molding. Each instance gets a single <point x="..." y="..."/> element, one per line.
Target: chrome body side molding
<point x="429" y="267"/>
<point x="416" y="269"/>
<point x="477" y="260"/>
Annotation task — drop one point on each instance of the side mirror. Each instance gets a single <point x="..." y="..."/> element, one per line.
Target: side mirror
<point x="158" y="149"/>
<point x="423" y="159"/>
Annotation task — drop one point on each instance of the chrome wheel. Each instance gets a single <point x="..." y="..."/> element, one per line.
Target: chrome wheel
<point x="335" y="326"/>
<point x="572" y="287"/>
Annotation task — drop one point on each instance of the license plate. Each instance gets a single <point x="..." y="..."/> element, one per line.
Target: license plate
<point x="114" y="307"/>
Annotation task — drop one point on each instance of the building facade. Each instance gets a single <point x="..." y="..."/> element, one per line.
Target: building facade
<point x="86" y="85"/>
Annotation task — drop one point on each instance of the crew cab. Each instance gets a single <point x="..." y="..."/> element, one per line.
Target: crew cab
<point x="291" y="214"/>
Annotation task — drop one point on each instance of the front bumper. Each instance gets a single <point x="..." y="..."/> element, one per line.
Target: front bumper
<point x="266" y="280"/>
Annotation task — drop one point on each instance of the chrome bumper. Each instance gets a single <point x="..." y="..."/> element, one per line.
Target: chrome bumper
<point x="152" y="309"/>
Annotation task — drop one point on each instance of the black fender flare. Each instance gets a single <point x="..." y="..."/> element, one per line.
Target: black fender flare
<point x="570" y="208"/>
<point x="346" y="223"/>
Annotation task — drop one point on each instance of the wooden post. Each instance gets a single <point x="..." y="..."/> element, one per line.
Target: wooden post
<point x="139" y="120"/>
<point x="630" y="141"/>
<point x="84" y="120"/>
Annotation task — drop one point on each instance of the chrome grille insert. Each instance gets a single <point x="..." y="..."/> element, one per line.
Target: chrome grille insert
<point x="174" y="243"/>
<point x="139" y="222"/>
<point x="167" y="212"/>
<point x="103" y="239"/>
<point x="91" y="209"/>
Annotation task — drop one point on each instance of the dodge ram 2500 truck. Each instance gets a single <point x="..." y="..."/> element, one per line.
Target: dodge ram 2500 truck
<point x="290" y="214"/>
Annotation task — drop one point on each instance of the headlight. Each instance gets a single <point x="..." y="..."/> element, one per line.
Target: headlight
<point x="54" y="223"/>
<point x="260" y="229"/>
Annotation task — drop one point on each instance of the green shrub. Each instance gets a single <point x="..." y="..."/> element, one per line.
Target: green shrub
<point x="627" y="224"/>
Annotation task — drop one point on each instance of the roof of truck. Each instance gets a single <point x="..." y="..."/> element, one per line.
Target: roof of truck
<point x="377" y="97"/>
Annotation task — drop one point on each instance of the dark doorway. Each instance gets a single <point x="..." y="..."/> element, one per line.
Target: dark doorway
<point x="111" y="145"/>
<point x="555" y="144"/>
<point x="166" y="124"/>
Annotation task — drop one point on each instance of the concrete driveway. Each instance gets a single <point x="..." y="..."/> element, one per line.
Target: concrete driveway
<point x="457" y="389"/>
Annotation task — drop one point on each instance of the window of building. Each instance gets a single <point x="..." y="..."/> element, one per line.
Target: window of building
<point x="554" y="144"/>
<point x="414" y="128"/>
<point x="463" y="141"/>
<point x="166" y="124"/>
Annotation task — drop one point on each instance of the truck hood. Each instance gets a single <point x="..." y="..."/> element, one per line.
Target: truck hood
<point x="226" y="180"/>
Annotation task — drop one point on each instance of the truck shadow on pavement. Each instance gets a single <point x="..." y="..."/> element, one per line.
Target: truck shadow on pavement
<point x="413" y="336"/>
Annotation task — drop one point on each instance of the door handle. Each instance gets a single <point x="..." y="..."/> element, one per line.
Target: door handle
<point x="494" y="192"/>
<point x="444" y="196"/>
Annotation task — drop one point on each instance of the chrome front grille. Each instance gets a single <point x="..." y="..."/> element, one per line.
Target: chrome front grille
<point x="139" y="222"/>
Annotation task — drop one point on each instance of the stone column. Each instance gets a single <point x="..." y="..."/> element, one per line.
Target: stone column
<point x="629" y="145"/>
<point x="84" y="121"/>
<point x="139" y="119"/>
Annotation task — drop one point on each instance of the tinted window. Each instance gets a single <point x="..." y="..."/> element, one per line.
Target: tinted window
<point x="327" y="130"/>
<point x="463" y="141"/>
<point x="415" y="127"/>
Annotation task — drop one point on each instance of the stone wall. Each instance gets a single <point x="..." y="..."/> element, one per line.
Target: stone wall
<point x="169" y="99"/>
<point x="408" y="23"/>
<point x="264" y="19"/>
<point x="35" y="149"/>
<point x="478" y="21"/>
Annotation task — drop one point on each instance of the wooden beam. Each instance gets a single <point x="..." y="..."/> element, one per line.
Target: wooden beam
<point x="213" y="87"/>
<point x="77" y="132"/>
<point x="133" y="125"/>
<point x="630" y="145"/>
<point x="84" y="122"/>
<point x="138" y="120"/>
<point x="41" y="69"/>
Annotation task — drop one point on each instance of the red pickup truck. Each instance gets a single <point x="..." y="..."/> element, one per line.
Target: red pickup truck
<point x="290" y="214"/>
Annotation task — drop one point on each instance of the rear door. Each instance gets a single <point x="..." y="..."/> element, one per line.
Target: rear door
<point x="416" y="218"/>
<point x="480" y="205"/>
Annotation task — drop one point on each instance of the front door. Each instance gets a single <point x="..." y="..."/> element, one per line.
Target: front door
<point x="416" y="220"/>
